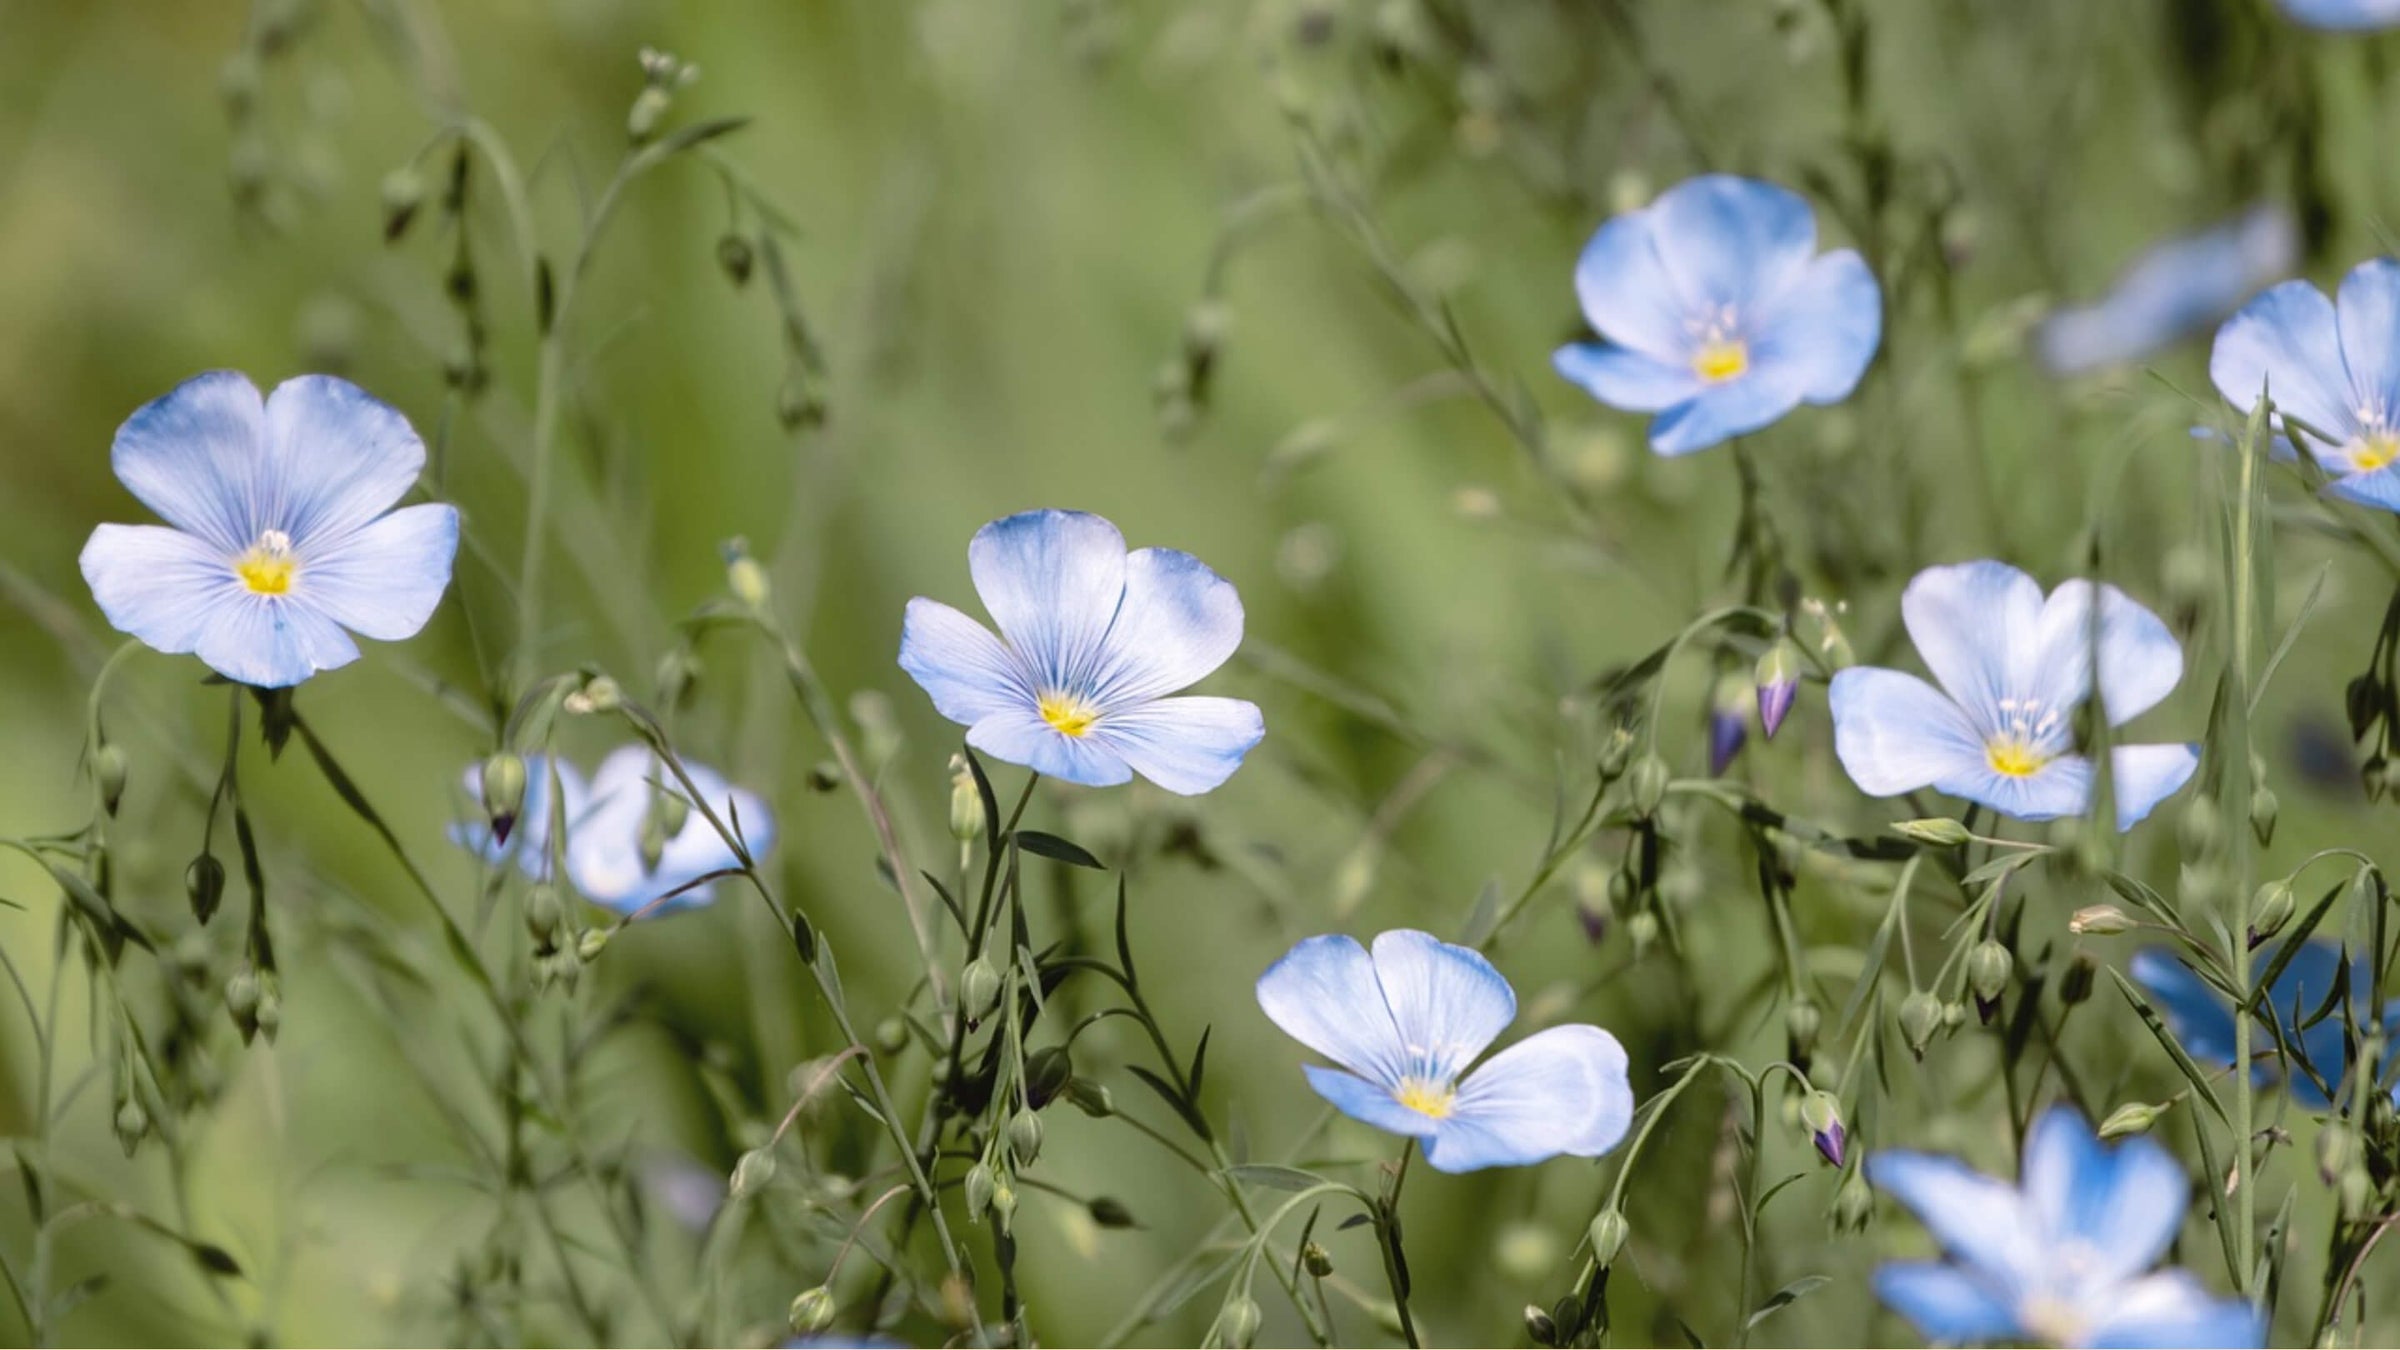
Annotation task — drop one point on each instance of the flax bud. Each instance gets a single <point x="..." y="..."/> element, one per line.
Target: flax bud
<point x="204" y="885"/>
<point x="1608" y="1233"/>
<point x="1934" y="831"/>
<point x="132" y="1123"/>
<point x="752" y="1173"/>
<point x="1237" y="1322"/>
<point x="1821" y="1112"/>
<point x="503" y="777"/>
<point x="1025" y="1136"/>
<point x="1801" y="1022"/>
<point x="1777" y="680"/>
<point x="2130" y="1119"/>
<point x="1920" y="1017"/>
<point x="812" y="1311"/>
<point x="1853" y="1205"/>
<point x="1988" y="968"/>
<point x="109" y="769"/>
<point x="2100" y="921"/>
<point x="1646" y="787"/>
<point x="966" y="802"/>
<point x="978" y="1190"/>
<point x="978" y="989"/>
<point x="2270" y="910"/>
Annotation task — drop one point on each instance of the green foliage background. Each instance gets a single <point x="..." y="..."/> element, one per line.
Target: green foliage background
<point x="1010" y="213"/>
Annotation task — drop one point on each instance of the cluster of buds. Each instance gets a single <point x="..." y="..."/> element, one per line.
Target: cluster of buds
<point x="254" y="999"/>
<point x="599" y="694"/>
<point x="662" y="75"/>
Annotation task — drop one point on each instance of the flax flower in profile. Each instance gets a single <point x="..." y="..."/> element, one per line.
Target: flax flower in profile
<point x="2202" y="1018"/>
<point x="637" y="802"/>
<point x="1405" y="1023"/>
<point x="1093" y="640"/>
<point x="280" y="539"/>
<point x="2332" y="364"/>
<point x="2014" y="668"/>
<point x="2173" y="290"/>
<point x="2065" y="1257"/>
<point x="1716" y="312"/>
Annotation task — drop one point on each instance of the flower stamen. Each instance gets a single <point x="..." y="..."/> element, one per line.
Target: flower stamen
<point x="2374" y="451"/>
<point x="1068" y="714"/>
<point x="270" y="565"/>
<point x="1426" y="1097"/>
<point x="1721" y="359"/>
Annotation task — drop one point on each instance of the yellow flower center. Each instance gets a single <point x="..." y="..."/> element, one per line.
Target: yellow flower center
<point x="269" y="566"/>
<point x="1721" y="360"/>
<point x="1068" y="714"/>
<point x="2053" y="1320"/>
<point x="2373" y="452"/>
<point x="2014" y="758"/>
<point x="1426" y="1099"/>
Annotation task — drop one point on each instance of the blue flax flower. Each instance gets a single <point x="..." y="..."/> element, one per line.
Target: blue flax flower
<point x="2333" y="366"/>
<point x="2344" y="14"/>
<point x="1092" y="641"/>
<point x="604" y="847"/>
<point x="2014" y="668"/>
<point x="2202" y="1018"/>
<point x="2174" y="289"/>
<point x="280" y="539"/>
<point x="2065" y="1257"/>
<point x="1405" y="1023"/>
<point x="1717" y="313"/>
<point x="528" y="844"/>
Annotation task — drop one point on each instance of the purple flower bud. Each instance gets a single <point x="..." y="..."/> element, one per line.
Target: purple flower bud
<point x="1821" y="1112"/>
<point x="1830" y="1142"/>
<point x="1728" y="723"/>
<point x="1778" y="680"/>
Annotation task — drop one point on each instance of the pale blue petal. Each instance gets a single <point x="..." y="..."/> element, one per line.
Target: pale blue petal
<point x="1186" y="745"/>
<point x="2147" y="775"/>
<point x="1359" y="1099"/>
<point x="1894" y="733"/>
<point x="2062" y="787"/>
<point x="528" y="846"/>
<point x="337" y="457"/>
<point x="968" y="673"/>
<point x="1721" y="412"/>
<point x="1324" y="994"/>
<point x="272" y="642"/>
<point x="383" y="581"/>
<point x="1978" y="627"/>
<point x="1178" y="622"/>
<point x="2125" y="1204"/>
<point x="2287" y="344"/>
<point x="1447" y="1001"/>
<point x="2379" y="488"/>
<point x="2199" y="1017"/>
<point x="2279" y="446"/>
<point x="1731" y="241"/>
<point x="1979" y="1220"/>
<point x="2171" y="290"/>
<point x="1052" y="581"/>
<point x="192" y="455"/>
<point x="1627" y="294"/>
<point x="604" y="845"/>
<point x="1946" y="1304"/>
<point x="1624" y="378"/>
<point x="2367" y="313"/>
<point x="1820" y="332"/>
<point x="1020" y="736"/>
<point x="2140" y="661"/>
<point x="1560" y="1091"/>
<point x="2173" y="1309"/>
<point x="160" y="585"/>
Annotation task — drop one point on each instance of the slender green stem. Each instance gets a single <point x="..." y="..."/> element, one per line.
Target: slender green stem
<point x="1387" y="1230"/>
<point x="2237" y="757"/>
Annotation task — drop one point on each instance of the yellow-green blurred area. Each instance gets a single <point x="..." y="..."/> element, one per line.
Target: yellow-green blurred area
<point x="1017" y="227"/>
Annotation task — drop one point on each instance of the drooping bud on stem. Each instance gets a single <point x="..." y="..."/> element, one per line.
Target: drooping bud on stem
<point x="109" y="769"/>
<point x="812" y="1311"/>
<point x="2100" y="921"/>
<point x="1934" y="831"/>
<point x="1821" y="1112"/>
<point x="1920" y="1017"/>
<point x="2130" y="1119"/>
<point x="1646" y="786"/>
<point x="1778" y="684"/>
<point x="1608" y="1233"/>
<point x="1728" y="723"/>
<point x="978" y="989"/>
<point x="1988" y="968"/>
<point x="2270" y="910"/>
<point x="204" y="885"/>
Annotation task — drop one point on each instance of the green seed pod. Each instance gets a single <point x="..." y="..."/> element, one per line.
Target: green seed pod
<point x="734" y="258"/>
<point x="1920" y="1017"/>
<point x="1608" y="1233"/>
<point x="1646" y="785"/>
<point x="109" y="768"/>
<point x="1539" y="1326"/>
<point x="1047" y="1073"/>
<point x="1109" y="1212"/>
<point x="649" y="109"/>
<point x="812" y="1311"/>
<point x="270" y="1005"/>
<point x="1317" y="1260"/>
<point x="1643" y="929"/>
<point x="1004" y="1204"/>
<point x="1988" y="968"/>
<point x="2075" y="986"/>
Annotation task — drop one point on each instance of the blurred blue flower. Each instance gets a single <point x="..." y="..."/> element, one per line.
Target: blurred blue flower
<point x="528" y="845"/>
<point x="2171" y="291"/>
<point x="2202" y="1018"/>
<point x="604" y="842"/>
<point x="1716" y="312"/>
<point x="279" y="533"/>
<point x="2062" y="1259"/>
<point x="1093" y="640"/>
<point x="1406" y="1022"/>
<point x="2344" y="14"/>
<point x="2334" y="367"/>
<point x="2013" y="668"/>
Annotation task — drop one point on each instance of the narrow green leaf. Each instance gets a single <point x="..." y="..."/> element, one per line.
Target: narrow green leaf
<point x="1051" y="846"/>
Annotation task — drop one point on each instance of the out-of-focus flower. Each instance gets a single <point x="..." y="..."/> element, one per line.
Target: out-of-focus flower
<point x="1717" y="313"/>
<point x="2174" y="289"/>
<point x="2065" y="1257"/>
<point x="2351" y="15"/>
<point x="1405" y="1022"/>
<point x="633" y="795"/>
<point x="280" y="539"/>
<point x="2013" y="669"/>
<point x="1093" y="641"/>
<point x="2202" y="1018"/>
<point x="2334" y="366"/>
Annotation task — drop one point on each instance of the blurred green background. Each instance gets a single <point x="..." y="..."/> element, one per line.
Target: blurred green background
<point x="1017" y="221"/>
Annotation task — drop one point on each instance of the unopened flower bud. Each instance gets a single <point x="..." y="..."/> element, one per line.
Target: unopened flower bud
<point x="204" y="885"/>
<point x="2199" y="829"/>
<point x="2263" y="808"/>
<point x="543" y="912"/>
<point x="1595" y="900"/>
<point x="1047" y="1073"/>
<point x="132" y="1123"/>
<point x="1608" y="1233"/>
<point x="591" y="944"/>
<point x="1109" y="1212"/>
<point x="600" y="694"/>
<point x="1004" y="1204"/>
<point x="1853" y="1205"/>
<point x="2357" y="1191"/>
<point x="966" y="802"/>
<point x="1539" y="1326"/>
<point x="241" y="1000"/>
<point x="503" y="777"/>
<point x="753" y="1172"/>
<point x="1646" y="786"/>
<point x="1091" y="1098"/>
<point x="2270" y="910"/>
<point x="1025" y="1136"/>
<point x="734" y="258"/>
<point x="812" y="1311"/>
<point x="269" y="1015"/>
<point x="649" y="109"/>
<point x="1237" y="1322"/>
<point x="2100" y="921"/>
<point x="2130" y="1119"/>
<point x="1988" y="968"/>
<point x="1316" y="1260"/>
<point x="978" y="1190"/>
<point x="1643" y="929"/>
<point x="109" y="768"/>
<point x="978" y="989"/>
<point x="1616" y="751"/>
<point x="1777" y="681"/>
<point x="1920" y="1017"/>
<point x="2337" y="1148"/>
<point x="745" y="577"/>
<point x="1821" y="1112"/>
<point x="1801" y="1022"/>
<point x="1934" y="831"/>
<point x="403" y="193"/>
<point x="2075" y="986"/>
<point x="1728" y="723"/>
